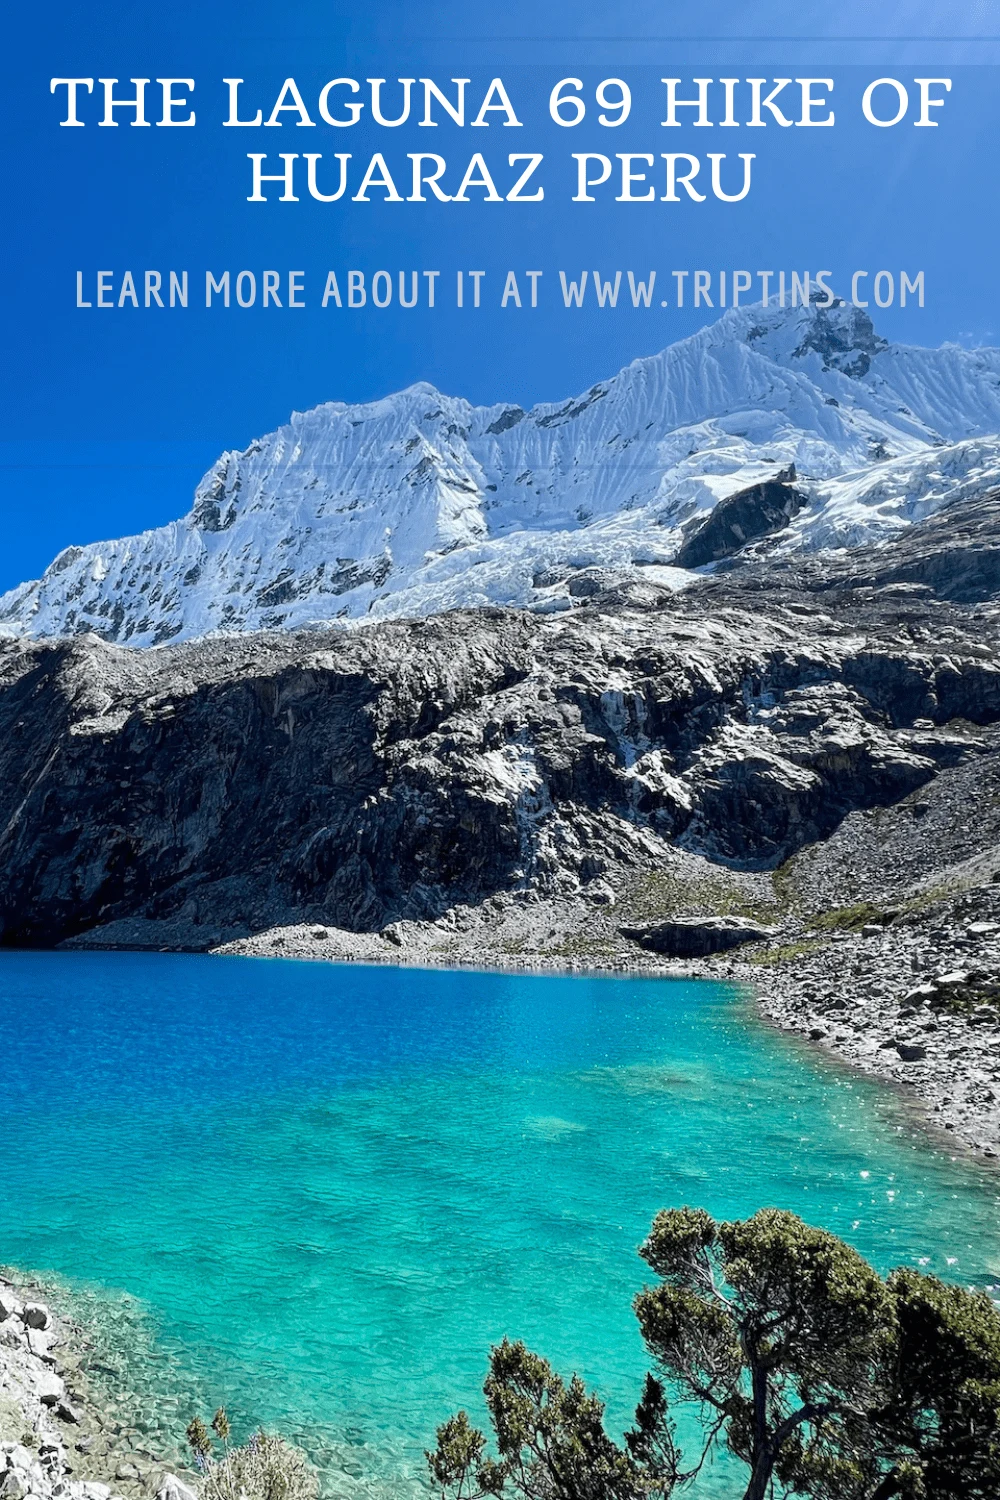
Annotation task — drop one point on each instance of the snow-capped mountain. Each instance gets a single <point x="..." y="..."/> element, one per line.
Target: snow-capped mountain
<point x="421" y="502"/>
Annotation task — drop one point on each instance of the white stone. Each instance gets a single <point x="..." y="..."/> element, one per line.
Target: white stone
<point x="172" y="1488"/>
<point x="952" y="980"/>
<point x="18" y="1457"/>
<point x="39" y="1343"/>
<point x="922" y="993"/>
<point x="10" y="1306"/>
<point x="49" y="1388"/>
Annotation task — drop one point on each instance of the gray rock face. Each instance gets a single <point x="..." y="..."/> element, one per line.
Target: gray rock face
<point x="358" y="778"/>
<point x="847" y="341"/>
<point x="757" y="511"/>
<point x="954" y="555"/>
<point x="697" y="937"/>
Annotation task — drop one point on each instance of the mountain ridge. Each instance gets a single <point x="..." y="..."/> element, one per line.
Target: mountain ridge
<point x="419" y="502"/>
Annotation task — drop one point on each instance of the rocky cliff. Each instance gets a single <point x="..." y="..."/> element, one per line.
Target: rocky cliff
<point x="216" y="788"/>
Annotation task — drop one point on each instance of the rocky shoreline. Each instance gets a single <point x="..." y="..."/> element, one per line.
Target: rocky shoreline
<point x="915" y="1003"/>
<point x="60" y="1438"/>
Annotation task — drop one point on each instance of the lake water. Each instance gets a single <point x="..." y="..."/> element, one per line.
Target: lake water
<point x="318" y="1193"/>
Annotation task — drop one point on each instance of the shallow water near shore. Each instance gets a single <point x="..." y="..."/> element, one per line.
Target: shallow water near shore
<point x="330" y="1188"/>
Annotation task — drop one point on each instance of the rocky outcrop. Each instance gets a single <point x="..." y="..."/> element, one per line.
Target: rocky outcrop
<point x="953" y="555"/>
<point x="356" y="778"/>
<point x="697" y="937"/>
<point x="911" y="997"/>
<point x="752" y="513"/>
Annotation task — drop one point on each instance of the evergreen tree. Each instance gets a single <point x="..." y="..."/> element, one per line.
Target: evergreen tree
<point x="823" y="1379"/>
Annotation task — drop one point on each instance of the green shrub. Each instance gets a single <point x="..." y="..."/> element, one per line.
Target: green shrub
<point x="264" y="1468"/>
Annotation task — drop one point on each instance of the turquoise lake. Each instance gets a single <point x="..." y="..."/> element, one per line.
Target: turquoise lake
<point x="317" y="1193"/>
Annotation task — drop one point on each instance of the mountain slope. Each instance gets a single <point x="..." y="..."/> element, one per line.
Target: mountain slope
<point x="359" y="777"/>
<point x="421" y="502"/>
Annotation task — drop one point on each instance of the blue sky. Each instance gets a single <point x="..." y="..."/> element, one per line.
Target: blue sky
<point x="109" y="417"/>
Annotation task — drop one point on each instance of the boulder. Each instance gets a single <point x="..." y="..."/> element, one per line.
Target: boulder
<point x="14" y="1485"/>
<point x="697" y="937"/>
<point x="36" y="1315"/>
<point x="172" y="1488"/>
<point x="585" y="585"/>
<point x="911" y="1051"/>
<point x="50" y="1389"/>
<point x="40" y="1344"/>
<point x="10" y="1306"/>
<point x="921" y="995"/>
<point x="955" y="979"/>
<point x="744" y="517"/>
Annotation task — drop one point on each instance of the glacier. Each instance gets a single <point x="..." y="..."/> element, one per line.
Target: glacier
<point x="421" y="502"/>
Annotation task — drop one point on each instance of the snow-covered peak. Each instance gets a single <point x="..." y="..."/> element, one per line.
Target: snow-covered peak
<point x="936" y="394"/>
<point x="419" y="501"/>
<point x="843" y="336"/>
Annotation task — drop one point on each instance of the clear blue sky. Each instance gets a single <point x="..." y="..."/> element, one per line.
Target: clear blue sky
<point x="109" y="417"/>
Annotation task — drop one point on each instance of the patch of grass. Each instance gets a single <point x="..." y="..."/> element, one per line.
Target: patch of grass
<point x="847" y="918"/>
<point x="964" y="1001"/>
<point x="785" y="953"/>
<point x="783" y="880"/>
<point x="945" y="890"/>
